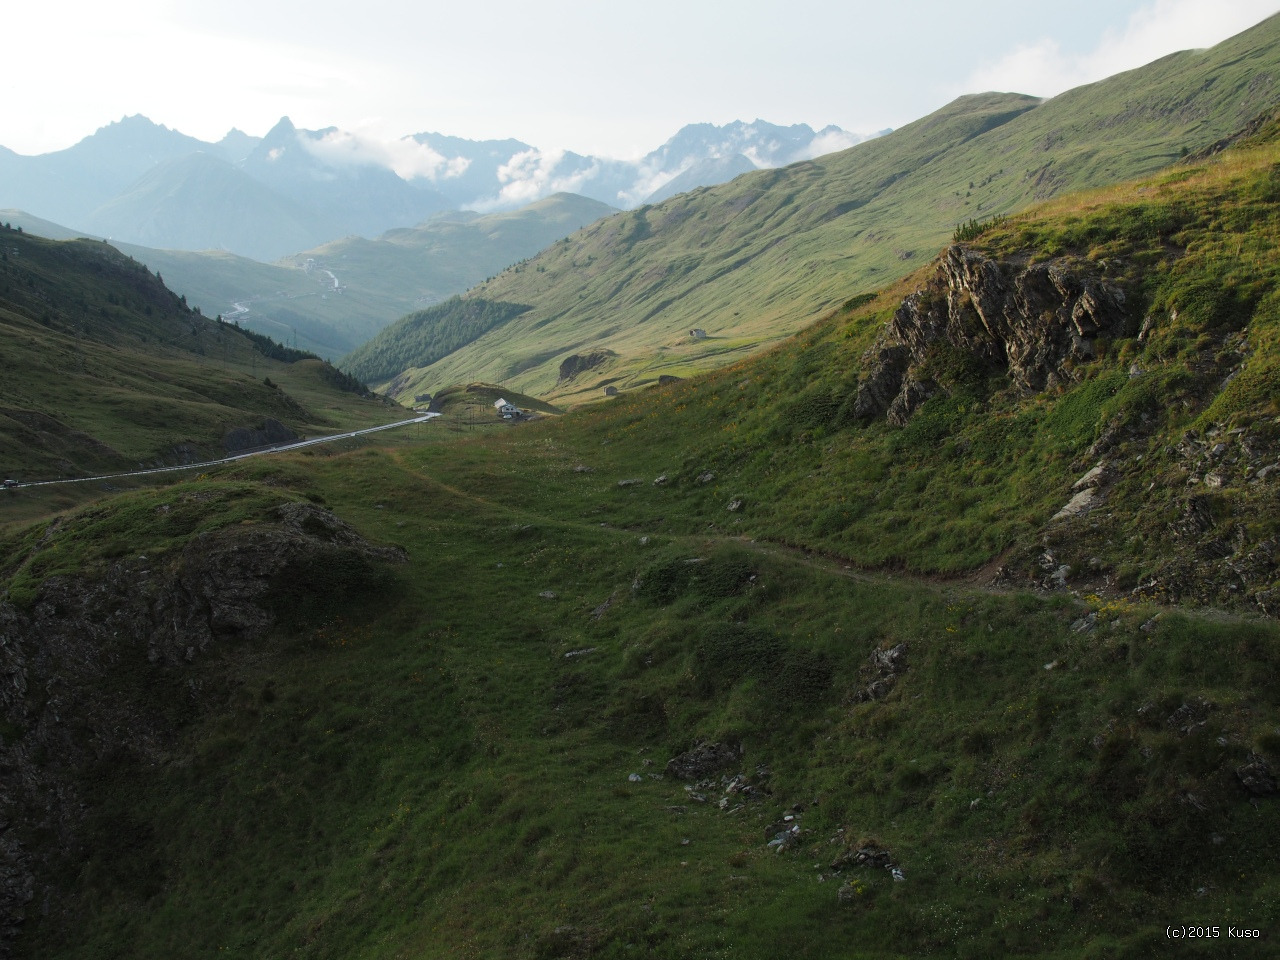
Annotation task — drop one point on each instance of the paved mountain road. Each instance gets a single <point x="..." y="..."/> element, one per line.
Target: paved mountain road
<point x="232" y="459"/>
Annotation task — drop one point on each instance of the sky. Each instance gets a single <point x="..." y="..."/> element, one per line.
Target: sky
<point x="605" y="79"/>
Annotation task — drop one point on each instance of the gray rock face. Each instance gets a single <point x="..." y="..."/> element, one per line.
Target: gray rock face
<point x="1081" y="503"/>
<point x="1035" y="323"/>
<point x="114" y="655"/>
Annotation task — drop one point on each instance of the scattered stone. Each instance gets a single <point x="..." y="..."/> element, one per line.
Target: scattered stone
<point x="705" y="477"/>
<point x="601" y="610"/>
<point x="579" y="653"/>
<point x="886" y="664"/>
<point x="898" y="875"/>
<point x="1256" y="776"/>
<point x="1086" y="624"/>
<point x="635" y="778"/>
<point x="660" y="480"/>
<point x="644" y="541"/>
<point x="1190" y="716"/>
<point x="867" y="855"/>
<point x="630" y="483"/>
<point x="704" y="760"/>
<point x="734" y="505"/>
<point x="1213" y="480"/>
<point x="786" y="839"/>
<point x="548" y="595"/>
<point x="581" y="468"/>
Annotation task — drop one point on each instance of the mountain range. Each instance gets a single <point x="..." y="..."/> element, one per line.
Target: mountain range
<point x="138" y="182"/>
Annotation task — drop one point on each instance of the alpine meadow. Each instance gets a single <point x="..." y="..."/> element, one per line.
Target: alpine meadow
<point x="877" y="556"/>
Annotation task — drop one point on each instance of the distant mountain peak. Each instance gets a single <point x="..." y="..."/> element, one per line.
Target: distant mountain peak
<point x="136" y="120"/>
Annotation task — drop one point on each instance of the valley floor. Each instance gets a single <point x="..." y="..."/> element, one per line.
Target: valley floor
<point x="471" y="758"/>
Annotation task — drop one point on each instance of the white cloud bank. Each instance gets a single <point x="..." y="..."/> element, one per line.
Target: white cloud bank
<point x="408" y="158"/>
<point x="1043" y="69"/>
<point x="531" y="175"/>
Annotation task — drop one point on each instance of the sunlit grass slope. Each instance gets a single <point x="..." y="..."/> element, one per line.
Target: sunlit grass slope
<point x="757" y="259"/>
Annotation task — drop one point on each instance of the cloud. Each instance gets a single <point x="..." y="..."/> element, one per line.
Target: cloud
<point x="408" y="158"/>
<point x="831" y="140"/>
<point x="649" y="180"/>
<point x="1044" y="69"/>
<point x="533" y="174"/>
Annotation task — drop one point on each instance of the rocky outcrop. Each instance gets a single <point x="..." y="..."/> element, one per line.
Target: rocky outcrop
<point x="104" y="667"/>
<point x="1034" y="322"/>
<point x="577" y="363"/>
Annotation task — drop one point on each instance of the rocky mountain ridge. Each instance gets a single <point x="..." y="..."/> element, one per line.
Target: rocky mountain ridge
<point x="139" y="182"/>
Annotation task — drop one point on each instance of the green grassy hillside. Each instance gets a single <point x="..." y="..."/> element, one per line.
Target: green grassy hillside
<point x="906" y="750"/>
<point x="107" y="370"/>
<point x="756" y="259"/>
<point x="297" y="300"/>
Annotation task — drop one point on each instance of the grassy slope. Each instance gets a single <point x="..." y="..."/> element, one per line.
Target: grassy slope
<point x="382" y="279"/>
<point x="756" y="259"/>
<point x="107" y="370"/>
<point x="981" y="469"/>
<point x="431" y="775"/>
